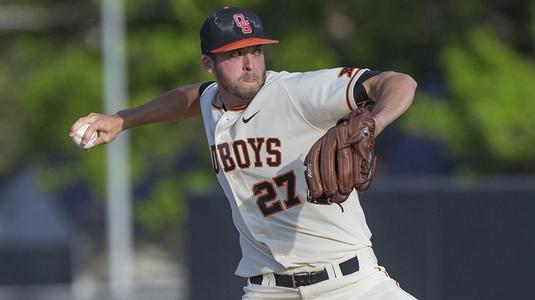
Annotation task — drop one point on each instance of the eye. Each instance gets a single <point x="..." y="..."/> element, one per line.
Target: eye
<point x="258" y="51"/>
<point x="236" y="54"/>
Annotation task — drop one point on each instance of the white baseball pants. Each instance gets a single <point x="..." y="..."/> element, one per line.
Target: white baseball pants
<point x="371" y="282"/>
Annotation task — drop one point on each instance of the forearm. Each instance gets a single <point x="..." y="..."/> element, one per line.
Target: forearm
<point x="393" y="94"/>
<point x="178" y="104"/>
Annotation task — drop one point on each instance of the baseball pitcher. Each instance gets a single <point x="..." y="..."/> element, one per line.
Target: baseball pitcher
<point x="291" y="151"/>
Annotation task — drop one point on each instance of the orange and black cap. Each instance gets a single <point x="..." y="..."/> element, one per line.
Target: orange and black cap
<point x="232" y="28"/>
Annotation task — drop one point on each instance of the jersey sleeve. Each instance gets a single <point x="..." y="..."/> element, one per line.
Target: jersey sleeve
<point x="324" y="96"/>
<point x="204" y="86"/>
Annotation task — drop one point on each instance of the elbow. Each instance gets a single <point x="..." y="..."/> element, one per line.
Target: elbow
<point x="402" y="80"/>
<point x="412" y="83"/>
<point x="403" y="85"/>
<point x="409" y="82"/>
<point x="409" y="86"/>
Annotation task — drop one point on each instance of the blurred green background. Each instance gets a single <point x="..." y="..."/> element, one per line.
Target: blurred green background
<point x="473" y="60"/>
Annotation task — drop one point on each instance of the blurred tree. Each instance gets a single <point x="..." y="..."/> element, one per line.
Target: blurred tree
<point x="488" y="118"/>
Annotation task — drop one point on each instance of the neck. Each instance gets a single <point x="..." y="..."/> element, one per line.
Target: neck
<point x="231" y="101"/>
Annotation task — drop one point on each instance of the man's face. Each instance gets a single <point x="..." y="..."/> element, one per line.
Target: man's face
<point x="241" y="72"/>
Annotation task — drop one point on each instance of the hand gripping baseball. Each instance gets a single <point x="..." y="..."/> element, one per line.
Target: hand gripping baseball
<point x="108" y="127"/>
<point x="342" y="159"/>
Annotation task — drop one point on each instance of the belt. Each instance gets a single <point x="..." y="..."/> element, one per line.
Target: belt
<point x="308" y="278"/>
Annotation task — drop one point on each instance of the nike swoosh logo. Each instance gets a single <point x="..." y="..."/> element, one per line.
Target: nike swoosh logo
<point x="249" y="119"/>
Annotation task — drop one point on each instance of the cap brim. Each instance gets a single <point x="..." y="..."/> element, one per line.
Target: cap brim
<point x="242" y="44"/>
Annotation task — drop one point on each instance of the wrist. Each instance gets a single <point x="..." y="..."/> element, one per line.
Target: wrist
<point x="120" y="116"/>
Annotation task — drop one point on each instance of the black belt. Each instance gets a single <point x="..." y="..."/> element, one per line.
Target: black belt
<point x="308" y="278"/>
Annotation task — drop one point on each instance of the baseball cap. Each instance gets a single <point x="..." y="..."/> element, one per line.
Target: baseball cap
<point x="232" y="28"/>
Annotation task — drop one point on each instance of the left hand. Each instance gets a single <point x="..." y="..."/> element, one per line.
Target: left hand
<point x="342" y="159"/>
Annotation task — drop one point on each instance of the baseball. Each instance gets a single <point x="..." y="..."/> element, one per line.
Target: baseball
<point x="77" y="139"/>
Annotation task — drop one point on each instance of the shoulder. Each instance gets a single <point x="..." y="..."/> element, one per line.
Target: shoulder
<point x="313" y="80"/>
<point x="205" y="85"/>
<point x="207" y="92"/>
<point x="314" y="76"/>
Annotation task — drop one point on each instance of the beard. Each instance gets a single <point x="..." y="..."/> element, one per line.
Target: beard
<point x="245" y="94"/>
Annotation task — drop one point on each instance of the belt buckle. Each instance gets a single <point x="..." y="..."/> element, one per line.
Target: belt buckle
<point x="302" y="282"/>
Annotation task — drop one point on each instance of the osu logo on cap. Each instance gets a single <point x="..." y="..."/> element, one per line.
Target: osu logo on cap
<point x="242" y="23"/>
<point x="230" y="29"/>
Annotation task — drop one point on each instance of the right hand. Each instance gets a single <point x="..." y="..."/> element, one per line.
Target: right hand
<point x="108" y="127"/>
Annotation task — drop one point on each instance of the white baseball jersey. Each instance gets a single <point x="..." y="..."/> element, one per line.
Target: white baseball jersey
<point x="258" y="153"/>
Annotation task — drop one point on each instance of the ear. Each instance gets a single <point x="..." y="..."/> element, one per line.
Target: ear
<point x="207" y="63"/>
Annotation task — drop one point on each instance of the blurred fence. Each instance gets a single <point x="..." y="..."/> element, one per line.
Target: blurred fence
<point x="441" y="239"/>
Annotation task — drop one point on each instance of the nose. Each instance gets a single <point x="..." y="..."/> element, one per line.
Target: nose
<point x="247" y="61"/>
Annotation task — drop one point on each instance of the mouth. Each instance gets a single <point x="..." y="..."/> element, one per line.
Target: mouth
<point x="250" y="78"/>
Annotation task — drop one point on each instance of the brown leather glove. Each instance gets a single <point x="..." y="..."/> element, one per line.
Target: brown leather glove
<point x="342" y="159"/>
